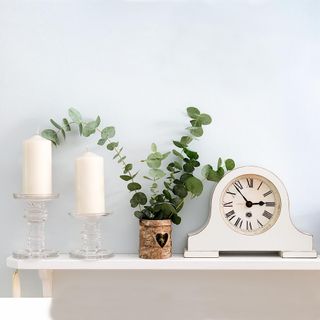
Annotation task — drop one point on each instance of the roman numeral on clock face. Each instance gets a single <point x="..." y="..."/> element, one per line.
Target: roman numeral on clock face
<point x="248" y="225"/>
<point x="267" y="214"/>
<point x="238" y="222"/>
<point x="259" y="223"/>
<point x="232" y="193"/>
<point x="228" y="204"/>
<point x="267" y="193"/>
<point x="238" y="184"/>
<point x="230" y="214"/>
<point x="259" y="185"/>
<point x="270" y="204"/>
<point x="250" y="182"/>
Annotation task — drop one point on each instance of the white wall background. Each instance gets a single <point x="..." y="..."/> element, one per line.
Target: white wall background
<point x="253" y="65"/>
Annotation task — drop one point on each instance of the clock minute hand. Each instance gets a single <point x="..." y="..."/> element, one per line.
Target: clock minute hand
<point x="245" y="199"/>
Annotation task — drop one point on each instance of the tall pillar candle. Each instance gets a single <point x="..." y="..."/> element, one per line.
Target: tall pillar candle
<point x="90" y="197"/>
<point x="37" y="166"/>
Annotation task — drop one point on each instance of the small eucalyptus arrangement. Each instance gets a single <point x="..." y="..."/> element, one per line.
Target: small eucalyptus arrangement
<point x="171" y="174"/>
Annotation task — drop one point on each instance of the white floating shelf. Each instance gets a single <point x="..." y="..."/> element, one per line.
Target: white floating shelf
<point x="177" y="262"/>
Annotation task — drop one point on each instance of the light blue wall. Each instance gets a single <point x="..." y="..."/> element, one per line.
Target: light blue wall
<point x="253" y="65"/>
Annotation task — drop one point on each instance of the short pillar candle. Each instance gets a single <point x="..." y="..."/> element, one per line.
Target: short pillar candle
<point x="90" y="195"/>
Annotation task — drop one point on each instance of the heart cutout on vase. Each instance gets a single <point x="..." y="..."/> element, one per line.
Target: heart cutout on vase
<point x="162" y="239"/>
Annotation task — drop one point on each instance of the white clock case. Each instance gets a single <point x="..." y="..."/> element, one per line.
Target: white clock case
<point x="216" y="236"/>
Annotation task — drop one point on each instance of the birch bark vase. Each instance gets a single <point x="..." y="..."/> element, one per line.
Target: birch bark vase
<point x="155" y="239"/>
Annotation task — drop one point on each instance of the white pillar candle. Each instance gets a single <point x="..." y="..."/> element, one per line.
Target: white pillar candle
<point x="37" y="166"/>
<point x="90" y="197"/>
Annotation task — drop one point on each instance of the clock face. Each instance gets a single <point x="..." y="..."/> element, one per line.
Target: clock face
<point x="250" y="204"/>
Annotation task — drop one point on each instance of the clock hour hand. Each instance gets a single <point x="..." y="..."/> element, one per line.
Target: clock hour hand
<point x="260" y="203"/>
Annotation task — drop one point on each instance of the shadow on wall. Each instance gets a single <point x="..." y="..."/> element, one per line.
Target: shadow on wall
<point x="175" y="295"/>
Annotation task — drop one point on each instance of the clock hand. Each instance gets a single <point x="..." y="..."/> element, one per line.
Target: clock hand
<point x="248" y="203"/>
<point x="260" y="203"/>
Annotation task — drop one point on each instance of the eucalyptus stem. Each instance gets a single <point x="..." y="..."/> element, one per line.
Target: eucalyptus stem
<point x="180" y="182"/>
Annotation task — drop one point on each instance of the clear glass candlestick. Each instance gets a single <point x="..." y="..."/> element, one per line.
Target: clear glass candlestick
<point x="36" y="214"/>
<point x="91" y="246"/>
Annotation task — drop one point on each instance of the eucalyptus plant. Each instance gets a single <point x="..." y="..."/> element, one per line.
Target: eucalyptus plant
<point x="171" y="174"/>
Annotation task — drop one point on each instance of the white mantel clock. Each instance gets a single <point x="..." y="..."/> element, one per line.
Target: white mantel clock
<point x="250" y="213"/>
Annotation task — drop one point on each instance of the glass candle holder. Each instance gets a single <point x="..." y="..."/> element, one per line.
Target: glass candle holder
<point x="36" y="214"/>
<point x="91" y="238"/>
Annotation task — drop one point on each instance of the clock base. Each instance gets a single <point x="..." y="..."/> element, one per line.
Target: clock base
<point x="283" y="254"/>
<point x="299" y="254"/>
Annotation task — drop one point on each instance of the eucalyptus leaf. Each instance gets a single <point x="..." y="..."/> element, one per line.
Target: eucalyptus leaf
<point x="193" y="112"/>
<point x="177" y="203"/>
<point x="213" y="176"/>
<point x="194" y="185"/>
<point x="178" y="144"/>
<point x="196" y="131"/>
<point x="220" y="173"/>
<point x="112" y="145"/>
<point x="230" y="164"/>
<point x="138" y="198"/>
<point x="122" y="159"/>
<point x="185" y="140"/>
<point x="187" y="167"/>
<point x="177" y="154"/>
<point x="132" y="186"/>
<point x="171" y="166"/>
<point x="153" y="147"/>
<point x="178" y="165"/>
<point x="167" y="185"/>
<point x="125" y="177"/>
<point x="167" y="194"/>
<point x="139" y="215"/>
<point x="66" y="124"/>
<point x="204" y="119"/>
<point x="165" y="155"/>
<point x="157" y="173"/>
<point x="153" y="161"/>
<point x="75" y="115"/>
<point x="195" y="163"/>
<point x="98" y="121"/>
<point x="101" y="142"/>
<point x="176" y="219"/>
<point x="185" y="176"/>
<point x="89" y="129"/>
<point x="108" y="132"/>
<point x="51" y="135"/>
<point x="180" y="190"/>
<point x="128" y="167"/>
<point x="63" y="133"/>
<point x="191" y="154"/>
<point x="56" y="124"/>
<point x="205" y="171"/>
<point x="133" y="176"/>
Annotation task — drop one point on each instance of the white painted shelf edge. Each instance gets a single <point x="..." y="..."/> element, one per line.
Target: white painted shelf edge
<point x="177" y="262"/>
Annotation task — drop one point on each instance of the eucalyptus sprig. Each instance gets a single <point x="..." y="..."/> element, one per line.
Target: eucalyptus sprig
<point x="170" y="183"/>
<point x="88" y="128"/>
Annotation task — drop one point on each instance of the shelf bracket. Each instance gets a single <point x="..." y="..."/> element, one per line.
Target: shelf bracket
<point x="45" y="276"/>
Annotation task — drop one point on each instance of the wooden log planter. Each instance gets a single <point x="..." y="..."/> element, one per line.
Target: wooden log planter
<point x="155" y="239"/>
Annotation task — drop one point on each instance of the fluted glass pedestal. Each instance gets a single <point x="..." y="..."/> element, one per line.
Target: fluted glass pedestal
<point x="91" y="246"/>
<point x="36" y="214"/>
